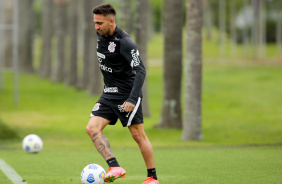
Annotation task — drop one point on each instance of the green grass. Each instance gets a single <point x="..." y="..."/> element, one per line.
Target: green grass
<point x="241" y="105"/>
<point x="242" y="131"/>
<point x="212" y="50"/>
<point x="235" y="165"/>
<point x="6" y="132"/>
<point x="246" y="103"/>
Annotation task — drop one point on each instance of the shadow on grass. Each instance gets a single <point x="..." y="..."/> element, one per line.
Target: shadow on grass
<point x="6" y="133"/>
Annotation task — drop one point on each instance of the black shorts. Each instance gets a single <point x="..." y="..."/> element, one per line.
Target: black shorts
<point x="111" y="110"/>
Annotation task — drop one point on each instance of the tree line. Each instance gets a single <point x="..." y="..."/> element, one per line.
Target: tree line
<point x="64" y="22"/>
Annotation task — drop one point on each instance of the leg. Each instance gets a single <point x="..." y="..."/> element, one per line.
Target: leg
<point x="94" y="129"/>
<point x="138" y="134"/>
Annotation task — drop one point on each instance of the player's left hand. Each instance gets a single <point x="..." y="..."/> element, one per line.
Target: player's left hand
<point x="128" y="107"/>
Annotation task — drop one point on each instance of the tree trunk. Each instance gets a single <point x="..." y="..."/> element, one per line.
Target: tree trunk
<point x="72" y="73"/>
<point x="262" y="28"/>
<point x="124" y="15"/>
<point x="87" y="29"/>
<point x="255" y="28"/>
<point x="192" y="125"/>
<point x="141" y="27"/>
<point x="95" y="78"/>
<point x="233" y="28"/>
<point x="8" y="33"/>
<point x="26" y="16"/>
<point x="279" y="30"/>
<point x="222" y="27"/>
<point x="2" y="44"/>
<point x="171" y="115"/>
<point x="61" y="31"/>
<point x="47" y="32"/>
<point x="208" y="19"/>
<point x="245" y="30"/>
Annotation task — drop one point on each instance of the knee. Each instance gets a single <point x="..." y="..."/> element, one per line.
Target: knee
<point x="90" y="129"/>
<point x="136" y="137"/>
<point x="139" y="138"/>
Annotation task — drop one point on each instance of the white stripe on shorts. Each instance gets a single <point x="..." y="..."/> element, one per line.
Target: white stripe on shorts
<point x="134" y="112"/>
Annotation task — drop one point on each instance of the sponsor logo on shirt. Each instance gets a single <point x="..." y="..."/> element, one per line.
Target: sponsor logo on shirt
<point x="110" y="89"/>
<point x="101" y="55"/>
<point x="105" y="68"/>
<point x="135" y="58"/>
<point x="98" y="43"/>
<point x="112" y="47"/>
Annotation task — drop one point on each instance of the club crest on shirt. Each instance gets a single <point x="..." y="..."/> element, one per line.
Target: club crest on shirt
<point x="96" y="107"/>
<point x="112" y="47"/>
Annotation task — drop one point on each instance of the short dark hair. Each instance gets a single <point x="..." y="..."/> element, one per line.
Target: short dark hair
<point x="105" y="9"/>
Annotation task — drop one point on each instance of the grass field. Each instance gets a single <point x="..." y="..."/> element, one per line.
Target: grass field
<point x="233" y="165"/>
<point x="241" y="127"/>
<point x="242" y="130"/>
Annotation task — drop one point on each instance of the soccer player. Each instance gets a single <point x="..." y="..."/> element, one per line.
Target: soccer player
<point x="124" y="74"/>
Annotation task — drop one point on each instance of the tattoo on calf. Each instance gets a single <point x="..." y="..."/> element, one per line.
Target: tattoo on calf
<point x="102" y="144"/>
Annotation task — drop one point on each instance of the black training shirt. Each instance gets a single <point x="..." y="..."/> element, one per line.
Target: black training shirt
<point x="121" y="66"/>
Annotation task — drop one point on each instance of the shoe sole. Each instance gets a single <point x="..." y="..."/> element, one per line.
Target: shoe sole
<point x="110" y="179"/>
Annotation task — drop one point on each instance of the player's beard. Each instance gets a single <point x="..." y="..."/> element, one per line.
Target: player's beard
<point x="104" y="32"/>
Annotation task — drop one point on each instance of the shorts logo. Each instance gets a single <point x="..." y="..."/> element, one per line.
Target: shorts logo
<point x="96" y="107"/>
<point x="120" y="109"/>
<point x="112" y="47"/>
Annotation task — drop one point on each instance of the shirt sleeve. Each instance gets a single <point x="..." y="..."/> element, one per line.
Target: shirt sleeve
<point x="129" y="51"/>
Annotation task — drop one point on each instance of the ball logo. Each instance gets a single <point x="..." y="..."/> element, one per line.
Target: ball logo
<point x="102" y="176"/>
<point x="82" y="174"/>
<point x="93" y="174"/>
<point x="27" y="148"/>
<point x="36" y="146"/>
<point x="30" y="139"/>
<point x="112" y="47"/>
<point x="93" y="167"/>
<point x="90" y="178"/>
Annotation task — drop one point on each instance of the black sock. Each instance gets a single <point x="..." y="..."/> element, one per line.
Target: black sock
<point x="112" y="162"/>
<point x="152" y="172"/>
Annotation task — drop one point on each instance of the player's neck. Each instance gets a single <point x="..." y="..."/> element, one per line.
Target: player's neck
<point x="112" y="30"/>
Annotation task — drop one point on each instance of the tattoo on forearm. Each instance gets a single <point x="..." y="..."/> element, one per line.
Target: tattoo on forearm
<point x="102" y="144"/>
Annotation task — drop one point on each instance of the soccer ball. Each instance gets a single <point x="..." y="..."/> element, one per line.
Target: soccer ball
<point x="32" y="143"/>
<point x="93" y="174"/>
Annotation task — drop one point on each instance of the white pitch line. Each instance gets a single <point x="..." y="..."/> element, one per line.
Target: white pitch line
<point x="11" y="173"/>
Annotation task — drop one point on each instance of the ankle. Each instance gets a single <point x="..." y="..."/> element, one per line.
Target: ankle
<point x="112" y="162"/>
<point x="152" y="172"/>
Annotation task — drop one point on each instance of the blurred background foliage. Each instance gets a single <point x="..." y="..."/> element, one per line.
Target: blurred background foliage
<point x="234" y="32"/>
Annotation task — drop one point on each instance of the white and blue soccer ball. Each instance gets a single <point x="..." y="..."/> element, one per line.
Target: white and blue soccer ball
<point x="32" y="143"/>
<point x="93" y="174"/>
